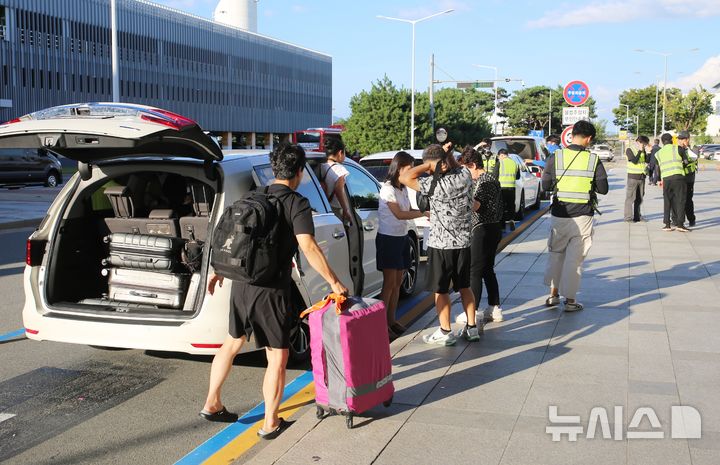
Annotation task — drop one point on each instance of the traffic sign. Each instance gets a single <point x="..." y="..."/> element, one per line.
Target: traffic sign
<point x="576" y="93"/>
<point x="572" y="115"/>
<point x="566" y="136"/>
<point x="536" y="133"/>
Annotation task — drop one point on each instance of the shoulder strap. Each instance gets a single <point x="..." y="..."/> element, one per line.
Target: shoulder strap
<point x="323" y="176"/>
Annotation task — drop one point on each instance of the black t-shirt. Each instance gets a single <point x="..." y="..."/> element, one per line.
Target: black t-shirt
<point x="297" y="220"/>
<point x="562" y="209"/>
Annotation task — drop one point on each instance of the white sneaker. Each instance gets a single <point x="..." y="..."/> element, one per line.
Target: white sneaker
<point x="470" y="334"/>
<point x="494" y="313"/>
<point x="439" y="338"/>
<point x="461" y="319"/>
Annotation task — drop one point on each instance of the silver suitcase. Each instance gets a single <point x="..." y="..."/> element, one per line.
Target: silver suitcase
<point x="147" y="287"/>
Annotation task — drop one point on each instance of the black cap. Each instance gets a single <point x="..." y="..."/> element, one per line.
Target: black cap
<point x="683" y="135"/>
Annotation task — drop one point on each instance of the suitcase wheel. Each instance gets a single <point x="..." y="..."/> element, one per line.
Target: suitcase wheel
<point x="349" y="421"/>
<point x="319" y="412"/>
<point x="388" y="402"/>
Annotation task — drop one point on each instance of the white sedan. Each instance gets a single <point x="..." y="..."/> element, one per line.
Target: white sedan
<point x="603" y="151"/>
<point x="527" y="189"/>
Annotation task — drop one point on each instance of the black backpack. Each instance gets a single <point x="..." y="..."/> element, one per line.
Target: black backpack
<point x="245" y="242"/>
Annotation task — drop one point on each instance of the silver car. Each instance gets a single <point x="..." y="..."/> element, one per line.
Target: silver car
<point x="604" y="152"/>
<point x="136" y="149"/>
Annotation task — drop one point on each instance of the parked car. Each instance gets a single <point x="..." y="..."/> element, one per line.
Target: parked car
<point x="604" y="152"/>
<point x="710" y="152"/>
<point x="131" y="151"/>
<point x="378" y="165"/>
<point x="528" y="190"/>
<point x="22" y="166"/>
<point x="526" y="147"/>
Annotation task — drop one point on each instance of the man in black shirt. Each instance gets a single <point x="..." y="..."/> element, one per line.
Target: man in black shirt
<point x="653" y="167"/>
<point x="265" y="312"/>
<point x="575" y="176"/>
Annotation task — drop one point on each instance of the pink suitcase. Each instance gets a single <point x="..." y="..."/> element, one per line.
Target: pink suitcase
<point x="350" y="356"/>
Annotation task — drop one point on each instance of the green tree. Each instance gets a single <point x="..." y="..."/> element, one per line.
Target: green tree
<point x="642" y="103"/>
<point x="601" y="128"/>
<point x="380" y="119"/>
<point x="690" y="112"/>
<point x="462" y="112"/>
<point x="528" y="109"/>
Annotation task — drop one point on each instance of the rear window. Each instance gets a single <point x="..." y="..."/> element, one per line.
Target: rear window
<point x="308" y="137"/>
<point x="602" y="147"/>
<point x="525" y="148"/>
<point x="379" y="168"/>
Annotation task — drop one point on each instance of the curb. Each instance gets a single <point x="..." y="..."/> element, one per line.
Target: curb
<point x="35" y="222"/>
<point x="505" y="241"/>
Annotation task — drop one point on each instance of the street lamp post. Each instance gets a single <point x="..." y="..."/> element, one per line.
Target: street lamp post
<point x="627" y="113"/>
<point x="413" y="22"/>
<point x="495" y="111"/>
<point x="665" y="55"/>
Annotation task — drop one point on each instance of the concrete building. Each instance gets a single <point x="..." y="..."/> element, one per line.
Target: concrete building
<point x="245" y="87"/>
<point x="713" y="124"/>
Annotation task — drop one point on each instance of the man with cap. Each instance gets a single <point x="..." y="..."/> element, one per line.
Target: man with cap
<point x="690" y="169"/>
<point x="672" y="173"/>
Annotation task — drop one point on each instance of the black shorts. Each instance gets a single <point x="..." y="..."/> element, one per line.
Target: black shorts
<point x="263" y="312"/>
<point x="448" y="265"/>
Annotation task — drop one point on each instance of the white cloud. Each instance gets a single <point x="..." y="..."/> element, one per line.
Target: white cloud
<point x="707" y="76"/>
<point x="615" y="11"/>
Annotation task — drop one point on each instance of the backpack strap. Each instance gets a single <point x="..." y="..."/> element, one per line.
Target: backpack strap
<point x="322" y="181"/>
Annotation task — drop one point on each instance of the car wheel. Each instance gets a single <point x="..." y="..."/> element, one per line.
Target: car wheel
<point x="300" y="342"/>
<point x="521" y="212"/>
<point x="52" y="179"/>
<point x="407" y="288"/>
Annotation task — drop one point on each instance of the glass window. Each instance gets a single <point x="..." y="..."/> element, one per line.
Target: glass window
<point x="364" y="191"/>
<point x="307" y="187"/>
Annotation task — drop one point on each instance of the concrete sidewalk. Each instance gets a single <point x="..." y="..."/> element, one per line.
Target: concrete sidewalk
<point x="648" y="337"/>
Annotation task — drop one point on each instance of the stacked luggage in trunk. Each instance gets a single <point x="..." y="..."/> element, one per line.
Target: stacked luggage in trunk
<point x="154" y="261"/>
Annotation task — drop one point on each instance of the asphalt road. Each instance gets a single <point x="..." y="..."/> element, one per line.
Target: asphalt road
<point x="75" y="404"/>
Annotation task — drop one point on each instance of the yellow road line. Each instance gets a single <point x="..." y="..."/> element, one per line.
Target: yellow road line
<point x="241" y="444"/>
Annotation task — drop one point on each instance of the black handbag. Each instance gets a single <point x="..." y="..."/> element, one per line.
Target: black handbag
<point x="423" y="200"/>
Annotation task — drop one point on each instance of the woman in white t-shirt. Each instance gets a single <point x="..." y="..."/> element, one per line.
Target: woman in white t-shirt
<point x="391" y="243"/>
<point x="332" y="178"/>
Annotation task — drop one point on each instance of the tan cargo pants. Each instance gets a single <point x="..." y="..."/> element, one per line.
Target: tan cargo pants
<point x="568" y="245"/>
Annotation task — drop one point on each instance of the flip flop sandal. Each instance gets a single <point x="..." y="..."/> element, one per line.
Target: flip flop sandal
<point x="274" y="433"/>
<point x="221" y="416"/>
<point x="573" y="307"/>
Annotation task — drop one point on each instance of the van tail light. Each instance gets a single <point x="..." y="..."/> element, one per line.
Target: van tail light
<point x="168" y="118"/>
<point x="34" y="252"/>
<point x="537" y="155"/>
<point x="31" y="331"/>
<point x="206" y="346"/>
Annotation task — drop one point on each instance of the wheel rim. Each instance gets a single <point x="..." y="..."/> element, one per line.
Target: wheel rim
<point x="301" y="342"/>
<point x="410" y="275"/>
<point x="52" y="181"/>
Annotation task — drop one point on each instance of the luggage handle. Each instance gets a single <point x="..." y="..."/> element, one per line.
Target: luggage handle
<point x="148" y="295"/>
<point x="339" y="301"/>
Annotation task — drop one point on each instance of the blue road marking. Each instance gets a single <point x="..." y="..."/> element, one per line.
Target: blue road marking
<point x="12" y="335"/>
<point x="222" y="438"/>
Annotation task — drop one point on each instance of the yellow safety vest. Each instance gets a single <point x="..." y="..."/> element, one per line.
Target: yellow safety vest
<point x="670" y="162"/>
<point x="691" y="166"/>
<point x="575" y="172"/>
<point x="639" y="167"/>
<point x="508" y="172"/>
<point x="490" y="164"/>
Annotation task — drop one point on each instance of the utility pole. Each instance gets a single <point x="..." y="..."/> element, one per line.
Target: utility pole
<point x="657" y="92"/>
<point x="432" y="92"/>
<point x="114" y="51"/>
<point x="550" y="114"/>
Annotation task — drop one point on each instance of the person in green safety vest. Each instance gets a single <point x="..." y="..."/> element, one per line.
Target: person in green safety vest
<point x="672" y="173"/>
<point x="636" y="168"/>
<point x="690" y="170"/>
<point x="575" y="176"/>
<point x="508" y="172"/>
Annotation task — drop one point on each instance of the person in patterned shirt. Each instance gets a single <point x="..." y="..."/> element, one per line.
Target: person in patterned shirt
<point x="449" y="242"/>
<point x="486" y="235"/>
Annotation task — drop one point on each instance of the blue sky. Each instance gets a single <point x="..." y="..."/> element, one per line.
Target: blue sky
<point x="540" y="42"/>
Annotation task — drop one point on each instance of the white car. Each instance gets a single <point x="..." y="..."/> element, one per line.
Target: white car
<point x="604" y="152"/>
<point x="528" y="190"/>
<point x="135" y="149"/>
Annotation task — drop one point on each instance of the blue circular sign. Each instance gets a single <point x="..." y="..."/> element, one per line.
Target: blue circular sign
<point x="576" y="93"/>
